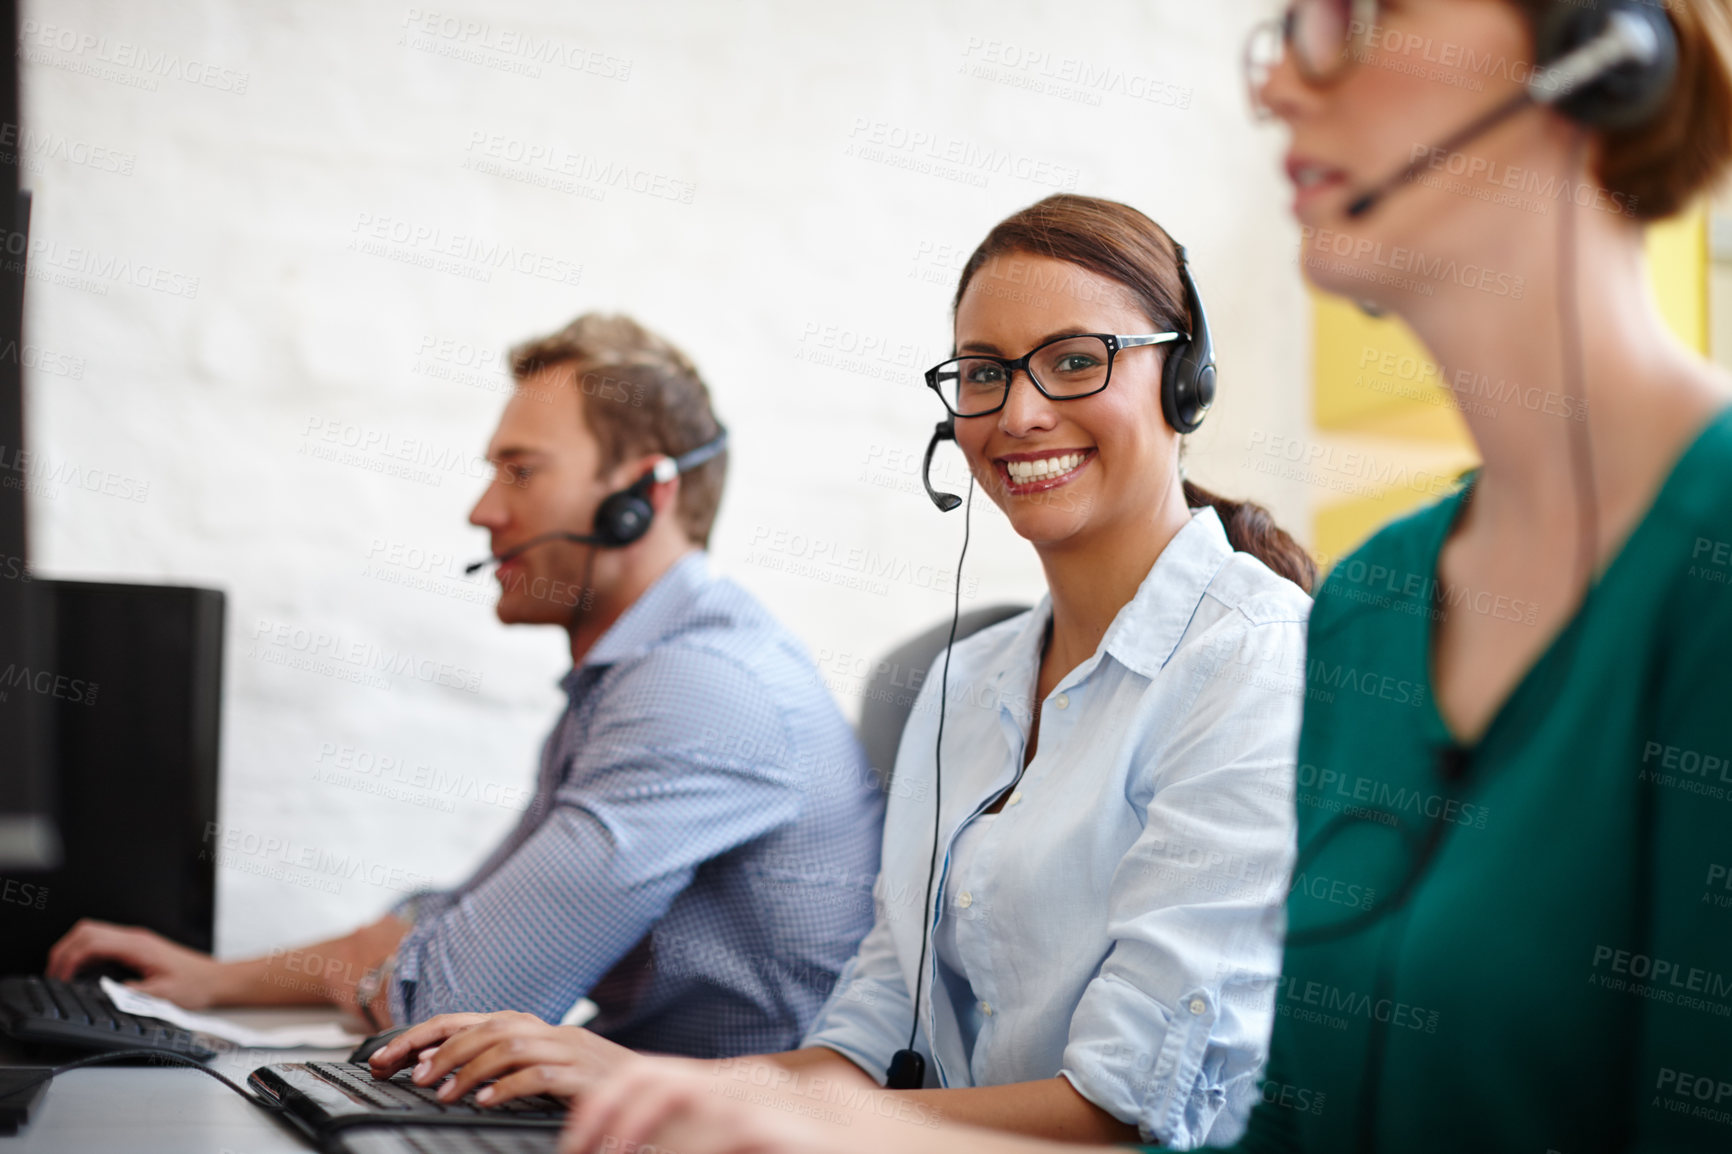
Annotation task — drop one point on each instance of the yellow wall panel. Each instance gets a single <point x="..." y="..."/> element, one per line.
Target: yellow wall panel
<point x="1342" y="527"/>
<point x="1372" y="373"/>
<point x="1678" y="267"/>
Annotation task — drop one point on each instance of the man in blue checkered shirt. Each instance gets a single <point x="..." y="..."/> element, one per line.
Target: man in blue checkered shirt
<point x="699" y="856"/>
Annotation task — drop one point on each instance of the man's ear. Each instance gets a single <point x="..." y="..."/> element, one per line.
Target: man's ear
<point x="664" y="494"/>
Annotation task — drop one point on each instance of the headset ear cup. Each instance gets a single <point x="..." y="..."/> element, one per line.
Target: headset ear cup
<point x="1188" y="377"/>
<point x="1630" y="94"/>
<point x="1182" y="400"/>
<point x="623" y="517"/>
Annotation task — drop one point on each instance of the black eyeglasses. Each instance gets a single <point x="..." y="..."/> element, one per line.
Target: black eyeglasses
<point x="1063" y="369"/>
<point x="1324" y="36"/>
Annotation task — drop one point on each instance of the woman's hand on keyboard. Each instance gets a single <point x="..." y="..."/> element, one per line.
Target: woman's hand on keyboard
<point x="744" y="1106"/>
<point x="526" y="1056"/>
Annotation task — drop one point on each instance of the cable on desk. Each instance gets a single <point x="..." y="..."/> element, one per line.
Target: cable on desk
<point x="158" y="1057"/>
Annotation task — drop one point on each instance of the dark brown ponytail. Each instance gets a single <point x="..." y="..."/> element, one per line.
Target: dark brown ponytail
<point x="1116" y="241"/>
<point x="1252" y="529"/>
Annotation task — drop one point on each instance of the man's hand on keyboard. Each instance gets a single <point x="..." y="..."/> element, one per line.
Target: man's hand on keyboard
<point x="185" y="977"/>
<point x="525" y="1054"/>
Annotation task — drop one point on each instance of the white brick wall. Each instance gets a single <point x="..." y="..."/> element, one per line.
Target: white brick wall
<point x="209" y="288"/>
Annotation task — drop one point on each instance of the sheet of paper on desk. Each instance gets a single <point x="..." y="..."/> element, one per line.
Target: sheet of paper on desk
<point x="323" y="1035"/>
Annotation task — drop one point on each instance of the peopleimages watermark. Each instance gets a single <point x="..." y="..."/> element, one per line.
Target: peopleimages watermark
<point x="383" y="451"/>
<point x="1376" y="800"/>
<point x="1687" y="770"/>
<point x="504" y="49"/>
<point x="121" y="61"/>
<point x="1711" y="561"/>
<point x="1496" y="182"/>
<point x="903" y="470"/>
<point x="936" y="263"/>
<point x="1475" y="394"/>
<point x="361" y="662"/>
<point x="1719" y="878"/>
<point x="46" y="683"/>
<point x="398" y="778"/>
<point x="1071" y="78"/>
<point x="873" y="355"/>
<point x="1662" y="980"/>
<point x="40" y="475"/>
<point x="1325" y="1004"/>
<point x="835" y="562"/>
<point x="955" y="158"/>
<point x="91" y="270"/>
<point x="1707" y="1097"/>
<point x="557" y="168"/>
<point x="41" y="360"/>
<point x="1400" y="266"/>
<point x="31" y="895"/>
<point x="28" y="148"/>
<point x="1423" y="594"/>
<point x="472" y="364"/>
<point x="1350" y="471"/>
<point x="459" y="254"/>
<point x="229" y="846"/>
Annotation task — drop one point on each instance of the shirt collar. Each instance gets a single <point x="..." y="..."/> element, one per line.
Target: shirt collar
<point x="1147" y="631"/>
<point x="650" y="620"/>
<point x="1148" y="628"/>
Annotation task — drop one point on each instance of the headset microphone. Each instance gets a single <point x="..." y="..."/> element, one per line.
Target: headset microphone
<point x="944" y="431"/>
<point x="516" y="551"/>
<point x="1604" y="68"/>
<point x="624" y="516"/>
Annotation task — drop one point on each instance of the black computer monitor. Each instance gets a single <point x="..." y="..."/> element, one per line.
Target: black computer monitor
<point x="132" y="739"/>
<point x="110" y="698"/>
<point x="29" y="837"/>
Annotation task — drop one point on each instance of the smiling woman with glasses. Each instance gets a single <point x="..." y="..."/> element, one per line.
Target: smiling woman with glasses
<point x="1088" y="845"/>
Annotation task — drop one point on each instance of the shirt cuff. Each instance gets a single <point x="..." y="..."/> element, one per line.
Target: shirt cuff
<point x="401" y="998"/>
<point x="1160" y="1083"/>
<point x="420" y="905"/>
<point x="847" y="1025"/>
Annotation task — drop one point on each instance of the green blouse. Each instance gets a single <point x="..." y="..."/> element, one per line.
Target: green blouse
<point x="1525" y="945"/>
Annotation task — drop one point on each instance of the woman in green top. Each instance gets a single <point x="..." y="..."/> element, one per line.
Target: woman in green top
<point x="1511" y="922"/>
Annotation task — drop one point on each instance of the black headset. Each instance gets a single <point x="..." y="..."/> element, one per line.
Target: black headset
<point x="1607" y="65"/>
<point x="1188" y="377"/>
<point x="1628" y="92"/>
<point x="624" y="515"/>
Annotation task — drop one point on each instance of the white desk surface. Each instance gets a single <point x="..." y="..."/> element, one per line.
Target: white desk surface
<point x="167" y="1109"/>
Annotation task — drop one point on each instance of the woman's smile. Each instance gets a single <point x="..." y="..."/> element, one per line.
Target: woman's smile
<point x="1024" y="473"/>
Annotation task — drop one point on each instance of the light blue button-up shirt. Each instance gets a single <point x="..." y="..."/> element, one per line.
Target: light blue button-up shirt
<point x="1121" y="919"/>
<point x="699" y="854"/>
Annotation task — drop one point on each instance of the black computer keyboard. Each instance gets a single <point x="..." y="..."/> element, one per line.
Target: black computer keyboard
<point x="78" y="1015"/>
<point x="400" y="1094"/>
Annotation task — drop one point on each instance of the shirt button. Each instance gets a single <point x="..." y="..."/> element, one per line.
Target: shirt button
<point x="986" y="1008"/>
<point x="1062" y="701"/>
<point x="964" y="899"/>
<point x="1197" y="1005"/>
<point x="1015" y="796"/>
